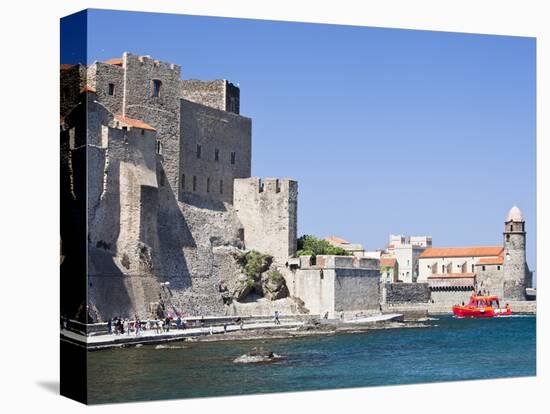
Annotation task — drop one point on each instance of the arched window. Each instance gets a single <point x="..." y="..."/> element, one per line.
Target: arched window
<point x="156" y="88"/>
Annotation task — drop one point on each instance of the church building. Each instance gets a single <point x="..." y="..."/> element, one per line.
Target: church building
<point x="456" y="272"/>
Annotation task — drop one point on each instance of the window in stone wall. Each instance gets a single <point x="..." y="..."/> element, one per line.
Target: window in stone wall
<point x="221" y="186"/>
<point x="159" y="147"/>
<point x="498" y="267"/>
<point x="507" y="237"/>
<point x="216" y="154"/>
<point x="199" y="151"/>
<point x="183" y="181"/>
<point x="472" y="268"/>
<point x="232" y="158"/>
<point x="483" y="268"/>
<point x="156" y="88"/>
<point x="111" y="89"/>
<point x="208" y="184"/>
<point x="194" y="183"/>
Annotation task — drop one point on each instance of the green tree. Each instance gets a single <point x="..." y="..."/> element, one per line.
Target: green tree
<point x="255" y="263"/>
<point x="312" y="246"/>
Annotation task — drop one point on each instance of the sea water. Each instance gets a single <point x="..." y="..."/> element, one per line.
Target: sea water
<point x="450" y="349"/>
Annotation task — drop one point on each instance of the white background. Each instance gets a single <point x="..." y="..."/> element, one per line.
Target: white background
<point x="29" y="222"/>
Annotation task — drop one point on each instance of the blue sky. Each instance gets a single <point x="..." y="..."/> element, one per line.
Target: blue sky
<point x="386" y="130"/>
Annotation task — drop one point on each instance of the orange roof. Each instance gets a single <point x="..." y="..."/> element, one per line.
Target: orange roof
<point x="461" y="251"/>
<point x="491" y="260"/>
<point x="450" y="275"/>
<point x="388" y="261"/>
<point x="336" y="240"/>
<point x="134" y="123"/>
<point x="65" y="66"/>
<point x="114" y="61"/>
<point x="87" y="88"/>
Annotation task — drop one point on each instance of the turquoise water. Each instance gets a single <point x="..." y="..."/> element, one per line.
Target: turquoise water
<point x="451" y="349"/>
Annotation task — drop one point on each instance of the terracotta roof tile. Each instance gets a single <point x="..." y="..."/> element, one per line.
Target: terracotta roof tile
<point x="65" y="66"/>
<point x="491" y="260"/>
<point x="462" y="251"/>
<point x="114" y="61"/>
<point x="388" y="261"/>
<point x="134" y="123"/>
<point x="451" y="275"/>
<point x="336" y="240"/>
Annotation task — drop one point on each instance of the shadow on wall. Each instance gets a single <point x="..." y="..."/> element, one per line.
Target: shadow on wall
<point x="107" y="289"/>
<point x="198" y="201"/>
<point x="173" y="236"/>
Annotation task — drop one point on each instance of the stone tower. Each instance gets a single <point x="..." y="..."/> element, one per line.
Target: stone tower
<point x="267" y="210"/>
<point x="514" y="266"/>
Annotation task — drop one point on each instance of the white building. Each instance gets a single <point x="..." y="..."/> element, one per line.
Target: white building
<point x="406" y="250"/>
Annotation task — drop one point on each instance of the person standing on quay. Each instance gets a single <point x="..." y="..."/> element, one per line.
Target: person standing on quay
<point x="277" y="321"/>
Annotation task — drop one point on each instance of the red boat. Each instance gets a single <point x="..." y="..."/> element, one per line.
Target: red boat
<point x="481" y="307"/>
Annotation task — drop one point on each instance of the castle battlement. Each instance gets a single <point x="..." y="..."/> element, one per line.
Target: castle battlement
<point x="266" y="186"/>
<point x="147" y="60"/>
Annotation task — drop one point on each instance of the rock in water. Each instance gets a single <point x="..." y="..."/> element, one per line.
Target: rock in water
<point x="257" y="355"/>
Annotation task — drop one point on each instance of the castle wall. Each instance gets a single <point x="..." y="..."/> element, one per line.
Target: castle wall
<point x="337" y="284"/>
<point x="450" y="297"/>
<point x="217" y="94"/>
<point x="162" y="111"/>
<point x="268" y="212"/>
<point x="100" y="75"/>
<point x="122" y="208"/>
<point x="72" y="80"/>
<point x="406" y="292"/>
<point x="315" y="287"/>
<point x="491" y="280"/>
<point x="356" y="289"/>
<point x="225" y="151"/>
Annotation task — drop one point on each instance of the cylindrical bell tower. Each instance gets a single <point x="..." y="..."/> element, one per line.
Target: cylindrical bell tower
<point x="514" y="267"/>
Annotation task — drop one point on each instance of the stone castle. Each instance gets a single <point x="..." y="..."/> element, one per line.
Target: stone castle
<point x="158" y="207"/>
<point x="157" y="198"/>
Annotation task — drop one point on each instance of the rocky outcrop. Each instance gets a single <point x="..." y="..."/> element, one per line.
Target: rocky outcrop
<point x="274" y="285"/>
<point x="260" y="277"/>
